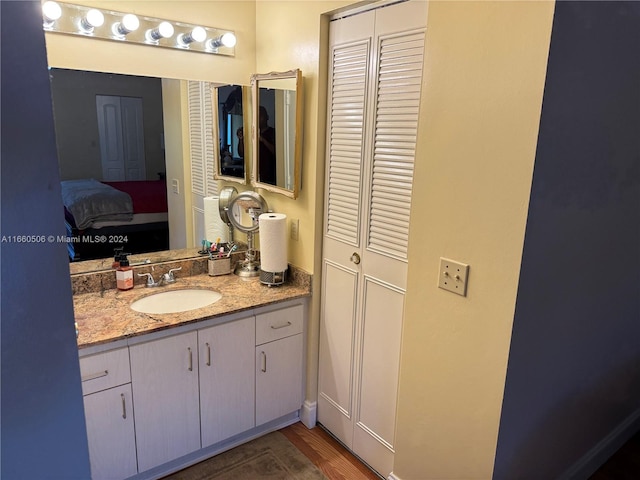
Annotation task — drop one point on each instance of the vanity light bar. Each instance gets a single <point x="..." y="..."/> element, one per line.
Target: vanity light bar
<point x="59" y="17"/>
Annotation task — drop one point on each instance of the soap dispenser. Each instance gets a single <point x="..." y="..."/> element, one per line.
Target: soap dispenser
<point x="124" y="273"/>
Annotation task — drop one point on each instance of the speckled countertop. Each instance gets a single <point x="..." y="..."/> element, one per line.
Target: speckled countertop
<point x="105" y="316"/>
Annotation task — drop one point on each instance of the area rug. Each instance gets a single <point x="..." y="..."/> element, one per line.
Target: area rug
<point x="271" y="457"/>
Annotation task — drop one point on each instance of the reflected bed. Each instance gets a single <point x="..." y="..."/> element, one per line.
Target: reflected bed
<point x="102" y="216"/>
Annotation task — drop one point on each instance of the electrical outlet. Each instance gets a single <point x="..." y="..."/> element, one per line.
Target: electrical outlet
<point x="175" y="186"/>
<point x="453" y="276"/>
<point x="294" y="227"/>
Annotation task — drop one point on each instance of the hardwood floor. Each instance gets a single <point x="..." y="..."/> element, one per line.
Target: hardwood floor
<point x="337" y="463"/>
<point x="326" y="453"/>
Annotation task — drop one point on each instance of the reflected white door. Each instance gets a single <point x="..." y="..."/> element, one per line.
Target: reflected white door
<point x="121" y="131"/>
<point x="375" y="79"/>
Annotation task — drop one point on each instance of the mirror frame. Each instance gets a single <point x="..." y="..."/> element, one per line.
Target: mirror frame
<point x="217" y="166"/>
<point x="297" y="168"/>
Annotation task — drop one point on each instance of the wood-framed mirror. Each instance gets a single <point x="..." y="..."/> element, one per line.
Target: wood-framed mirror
<point x="230" y="159"/>
<point x="277" y="132"/>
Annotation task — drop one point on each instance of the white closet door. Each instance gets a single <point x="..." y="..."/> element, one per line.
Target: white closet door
<point x="133" y="138"/>
<point x="121" y="131"/>
<point x="375" y="80"/>
<point x="110" y="131"/>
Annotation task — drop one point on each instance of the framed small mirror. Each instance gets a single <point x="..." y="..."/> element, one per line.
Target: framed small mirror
<point x="277" y="132"/>
<point x="230" y="160"/>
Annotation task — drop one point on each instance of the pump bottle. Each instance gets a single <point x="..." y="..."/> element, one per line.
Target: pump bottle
<point x="124" y="274"/>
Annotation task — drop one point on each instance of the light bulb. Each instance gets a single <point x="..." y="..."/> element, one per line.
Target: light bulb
<point x="51" y="12"/>
<point x="128" y="24"/>
<point x="164" y="30"/>
<point x="228" y="40"/>
<point x="198" y="34"/>
<point x="93" y="18"/>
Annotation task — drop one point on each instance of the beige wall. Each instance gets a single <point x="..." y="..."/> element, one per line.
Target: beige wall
<point x="482" y="97"/>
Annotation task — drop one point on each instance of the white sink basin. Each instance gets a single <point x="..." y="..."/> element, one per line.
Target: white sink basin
<point x="175" y="301"/>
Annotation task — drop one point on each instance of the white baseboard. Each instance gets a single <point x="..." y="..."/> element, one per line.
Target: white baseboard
<point x="393" y="476"/>
<point x="606" y="447"/>
<point x="309" y="413"/>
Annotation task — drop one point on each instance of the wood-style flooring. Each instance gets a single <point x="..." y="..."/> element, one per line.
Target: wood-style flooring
<point x="337" y="463"/>
<point x="326" y="453"/>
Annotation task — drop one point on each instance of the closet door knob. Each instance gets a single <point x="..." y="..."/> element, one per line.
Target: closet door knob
<point x="355" y="258"/>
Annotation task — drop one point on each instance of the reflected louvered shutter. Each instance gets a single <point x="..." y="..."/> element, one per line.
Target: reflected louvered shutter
<point x="349" y="81"/>
<point x="201" y="139"/>
<point x="211" y="186"/>
<point x="399" y="80"/>
<point x="195" y="139"/>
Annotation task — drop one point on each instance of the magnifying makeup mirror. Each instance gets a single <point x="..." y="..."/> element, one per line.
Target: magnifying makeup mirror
<point x="243" y="212"/>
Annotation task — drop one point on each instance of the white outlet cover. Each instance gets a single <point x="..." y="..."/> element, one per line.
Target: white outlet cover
<point x="453" y="276"/>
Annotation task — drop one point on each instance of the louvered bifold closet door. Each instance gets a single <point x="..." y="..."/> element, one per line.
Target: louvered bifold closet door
<point x="349" y="80"/>
<point x="396" y="124"/>
<point x="375" y="80"/>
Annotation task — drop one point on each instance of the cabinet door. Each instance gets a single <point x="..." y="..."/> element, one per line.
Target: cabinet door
<point x="278" y="378"/>
<point x="227" y="383"/>
<point x="112" y="444"/>
<point x="164" y="376"/>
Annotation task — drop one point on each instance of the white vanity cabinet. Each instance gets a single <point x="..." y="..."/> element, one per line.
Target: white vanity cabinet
<point x="279" y="363"/>
<point x="192" y="392"/>
<point x="164" y="374"/>
<point x="109" y="417"/>
<point x="227" y="386"/>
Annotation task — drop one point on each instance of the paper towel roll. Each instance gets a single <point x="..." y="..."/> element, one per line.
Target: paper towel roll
<point x="273" y="242"/>
<point x="214" y="227"/>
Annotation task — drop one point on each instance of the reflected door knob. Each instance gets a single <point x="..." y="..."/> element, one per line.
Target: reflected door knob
<point x="355" y="258"/>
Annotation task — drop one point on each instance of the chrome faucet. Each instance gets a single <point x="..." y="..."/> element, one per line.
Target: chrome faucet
<point x="168" y="277"/>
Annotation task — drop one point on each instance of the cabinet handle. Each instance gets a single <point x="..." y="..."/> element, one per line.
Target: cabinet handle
<point x="93" y="376"/>
<point x="264" y="362"/>
<point x="288" y="324"/>
<point x="124" y="406"/>
<point x="190" y="359"/>
<point x="208" y="355"/>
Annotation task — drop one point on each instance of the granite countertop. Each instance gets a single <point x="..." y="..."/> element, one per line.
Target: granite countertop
<point x="105" y="316"/>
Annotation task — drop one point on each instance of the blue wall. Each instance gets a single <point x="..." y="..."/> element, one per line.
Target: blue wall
<point x="42" y="416"/>
<point x="573" y="375"/>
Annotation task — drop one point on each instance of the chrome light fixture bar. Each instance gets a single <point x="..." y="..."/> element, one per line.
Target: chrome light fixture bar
<point x="70" y="19"/>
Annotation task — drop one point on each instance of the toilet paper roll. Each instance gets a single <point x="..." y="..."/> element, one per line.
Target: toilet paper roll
<point x="214" y="227"/>
<point x="273" y="242"/>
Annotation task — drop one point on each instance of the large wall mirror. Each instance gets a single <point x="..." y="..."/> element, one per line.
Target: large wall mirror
<point x="277" y="132"/>
<point x="228" y="101"/>
<point x="112" y="131"/>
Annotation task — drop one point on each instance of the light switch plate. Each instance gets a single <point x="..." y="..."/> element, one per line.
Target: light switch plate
<point x="453" y="276"/>
<point x="294" y="228"/>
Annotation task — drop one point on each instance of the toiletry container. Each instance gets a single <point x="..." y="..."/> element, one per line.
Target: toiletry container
<point x="124" y="274"/>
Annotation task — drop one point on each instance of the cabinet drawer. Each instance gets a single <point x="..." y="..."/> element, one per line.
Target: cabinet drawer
<point x="105" y="370"/>
<point x="278" y="324"/>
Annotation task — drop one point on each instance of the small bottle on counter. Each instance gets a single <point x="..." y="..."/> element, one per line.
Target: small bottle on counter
<point x="124" y="274"/>
<point x="116" y="257"/>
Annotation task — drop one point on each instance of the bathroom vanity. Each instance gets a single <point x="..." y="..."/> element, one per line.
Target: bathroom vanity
<point x="164" y="391"/>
